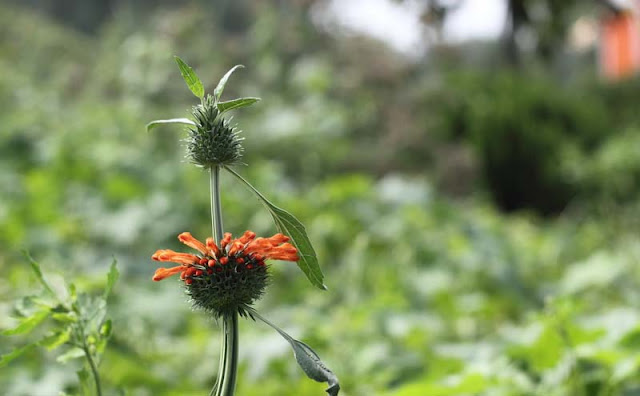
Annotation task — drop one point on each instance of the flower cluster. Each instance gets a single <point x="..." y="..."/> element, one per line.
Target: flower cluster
<point x="222" y="279"/>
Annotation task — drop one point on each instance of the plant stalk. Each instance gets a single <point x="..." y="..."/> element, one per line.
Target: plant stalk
<point x="227" y="369"/>
<point x="216" y="206"/>
<point x="92" y="364"/>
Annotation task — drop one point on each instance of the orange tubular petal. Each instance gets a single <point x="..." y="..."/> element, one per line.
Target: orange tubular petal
<point x="162" y="273"/>
<point x="285" y="256"/>
<point x="213" y="248"/>
<point x="236" y="246"/>
<point x="247" y="237"/>
<point x="225" y="240"/>
<point x="278" y="239"/>
<point x="156" y="255"/>
<point x="192" y="242"/>
<point x="175" y="257"/>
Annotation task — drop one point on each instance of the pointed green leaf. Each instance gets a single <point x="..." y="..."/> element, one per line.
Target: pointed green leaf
<point x="217" y="93"/>
<point x="54" y="340"/>
<point x="307" y="359"/>
<point x="28" y="324"/>
<point x="155" y="123"/>
<point x="112" y="277"/>
<point x="36" y="268"/>
<point x="65" y="317"/>
<point x="190" y="77"/>
<point x="236" y="103"/>
<point x="73" y="353"/>
<point x="16" y="353"/>
<point x="292" y="227"/>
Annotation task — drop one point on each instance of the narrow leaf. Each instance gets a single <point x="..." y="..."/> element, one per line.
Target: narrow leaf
<point x="16" y="353"/>
<point x="65" y="317"/>
<point x="236" y="103"/>
<point x="36" y="269"/>
<point x="54" y="340"/>
<point x="72" y="353"/>
<point x="307" y="359"/>
<point x="217" y="93"/>
<point x="155" y="123"/>
<point x="28" y="324"/>
<point x="191" y="78"/>
<point x="292" y="227"/>
<point x="112" y="277"/>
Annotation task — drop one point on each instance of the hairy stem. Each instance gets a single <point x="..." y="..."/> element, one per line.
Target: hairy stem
<point x="226" y="381"/>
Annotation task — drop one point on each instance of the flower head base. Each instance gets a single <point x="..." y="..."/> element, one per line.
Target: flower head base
<point x="223" y="278"/>
<point x="213" y="140"/>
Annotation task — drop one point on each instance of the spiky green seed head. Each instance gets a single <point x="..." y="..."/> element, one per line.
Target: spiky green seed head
<point x="213" y="140"/>
<point x="228" y="288"/>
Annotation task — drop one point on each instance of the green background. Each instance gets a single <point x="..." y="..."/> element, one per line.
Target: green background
<point x="475" y="215"/>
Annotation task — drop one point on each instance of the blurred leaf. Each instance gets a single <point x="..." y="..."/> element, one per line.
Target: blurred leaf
<point x="155" y="123"/>
<point x="631" y="339"/>
<point x="236" y="103"/>
<point x="36" y="268"/>
<point x="28" y="324"/>
<point x="289" y="225"/>
<point x="85" y="382"/>
<point x="112" y="277"/>
<point x="191" y="78"/>
<point x="217" y="93"/>
<point x="472" y="384"/>
<point x="55" y="340"/>
<point x="106" y="328"/>
<point x="73" y="353"/>
<point x="5" y="359"/>
<point x="307" y="359"/>
<point x="73" y="293"/>
<point x="65" y="317"/>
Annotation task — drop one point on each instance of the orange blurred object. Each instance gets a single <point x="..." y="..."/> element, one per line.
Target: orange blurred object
<point x="620" y="44"/>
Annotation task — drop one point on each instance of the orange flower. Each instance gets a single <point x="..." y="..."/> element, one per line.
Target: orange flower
<point x="246" y="253"/>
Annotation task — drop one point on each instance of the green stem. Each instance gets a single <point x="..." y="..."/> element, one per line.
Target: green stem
<point x="216" y="207"/>
<point x="226" y="381"/>
<point x="94" y="370"/>
<point x="92" y="364"/>
<point x="227" y="384"/>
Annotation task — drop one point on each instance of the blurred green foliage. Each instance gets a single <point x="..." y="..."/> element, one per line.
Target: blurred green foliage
<point x="427" y="294"/>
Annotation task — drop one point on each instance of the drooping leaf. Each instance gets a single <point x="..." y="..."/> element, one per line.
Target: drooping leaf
<point x="73" y="353"/>
<point x="155" y="123"/>
<point x="16" y="353"/>
<point x="236" y="103"/>
<point x="112" y="277"/>
<point x="191" y="78"/>
<point x="307" y="359"/>
<point x="292" y="227"/>
<point x="217" y="93"/>
<point x="36" y="268"/>
<point x="29" y="323"/>
<point x="315" y="369"/>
